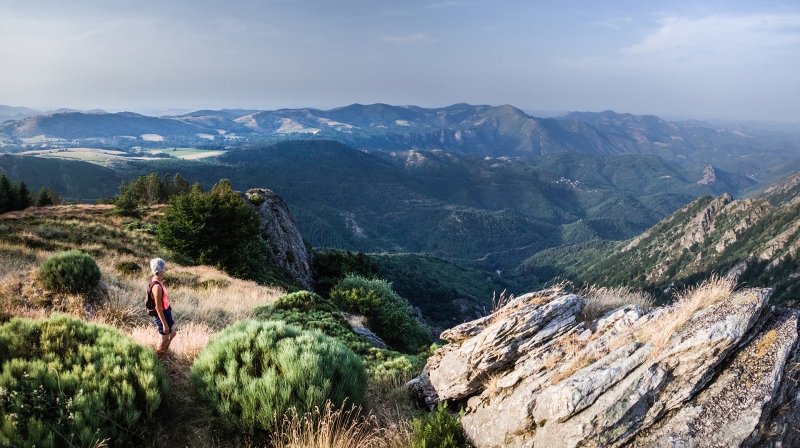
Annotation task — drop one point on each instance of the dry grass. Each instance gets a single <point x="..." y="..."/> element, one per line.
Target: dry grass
<point x="342" y="428"/>
<point x="189" y="340"/>
<point x="490" y="386"/>
<point x="569" y="348"/>
<point x="599" y="301"/>
<point x="660" y="330"/>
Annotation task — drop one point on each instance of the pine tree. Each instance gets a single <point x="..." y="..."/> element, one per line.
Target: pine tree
<point x="6" y="198"/>
<point x="181" y="184"/>
<point x="44" y="198"/>
<point x="25" y="199"/>
<point x="55" y="198"/>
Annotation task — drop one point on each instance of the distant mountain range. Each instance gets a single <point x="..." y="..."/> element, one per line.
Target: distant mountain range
<point x="10" y="113"/>
<point x="484" y="131"/>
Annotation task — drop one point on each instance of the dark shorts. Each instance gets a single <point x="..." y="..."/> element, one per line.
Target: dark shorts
<point x="168" y="317"/>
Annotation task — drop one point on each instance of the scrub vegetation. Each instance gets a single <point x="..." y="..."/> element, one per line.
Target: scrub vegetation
<point x="213" y="311"/>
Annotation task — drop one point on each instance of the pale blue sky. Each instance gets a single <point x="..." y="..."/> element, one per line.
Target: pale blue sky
<point x="702" y="59"/>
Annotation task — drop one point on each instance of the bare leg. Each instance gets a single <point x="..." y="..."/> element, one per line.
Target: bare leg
<point x="163" y="343"/>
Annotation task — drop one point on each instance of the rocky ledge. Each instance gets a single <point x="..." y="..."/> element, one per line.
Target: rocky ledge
<point x="531" y="375"/>
<point x="281" y="232"/>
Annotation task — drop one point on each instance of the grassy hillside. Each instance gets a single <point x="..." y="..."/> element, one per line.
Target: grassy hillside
<point x="205" y="301"/>
<point x="484" y="213"/>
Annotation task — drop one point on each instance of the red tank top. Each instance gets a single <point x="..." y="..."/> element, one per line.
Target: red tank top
<point x="153" y="281"/>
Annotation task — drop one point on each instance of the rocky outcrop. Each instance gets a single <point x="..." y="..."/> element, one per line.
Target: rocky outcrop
<point x="279" y="228"/>
<point x="702" y="224"/>
<point x="531" y="375"/>
<point x="709" y="176"/>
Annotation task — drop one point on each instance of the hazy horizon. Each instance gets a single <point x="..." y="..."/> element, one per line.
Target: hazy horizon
<point x="707" y="60"/>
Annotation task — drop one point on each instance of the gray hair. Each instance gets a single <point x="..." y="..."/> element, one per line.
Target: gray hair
<point x="158" y="265"/>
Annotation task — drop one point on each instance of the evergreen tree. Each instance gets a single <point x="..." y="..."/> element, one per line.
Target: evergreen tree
<point x="216" y="228"/>
<point x="44" y="198"/>
<point x="25" y="199"/>
<point x="6" y="195"/>
<point x="181" y="185"/>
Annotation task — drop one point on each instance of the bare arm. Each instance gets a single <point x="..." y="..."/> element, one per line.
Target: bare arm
<point x="158" y="295"/>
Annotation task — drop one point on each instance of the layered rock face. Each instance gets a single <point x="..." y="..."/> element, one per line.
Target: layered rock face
<point x="530" y="375"/>
<point x="279" y="228"/>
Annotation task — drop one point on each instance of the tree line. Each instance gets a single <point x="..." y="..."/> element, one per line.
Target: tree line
<point x="147" y="191"/>
<point x="15" y="196"/>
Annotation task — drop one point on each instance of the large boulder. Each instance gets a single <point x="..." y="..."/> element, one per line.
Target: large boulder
<point x="279" y="228"/>
<point x="532" y="375"/>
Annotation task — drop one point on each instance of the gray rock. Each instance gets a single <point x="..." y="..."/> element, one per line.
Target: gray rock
<point x="665" y="383"/>
<point x="422" y="389"/>
<point x="279" y="228"/>
<point x="729" y="412"/>
<point x="531" y="376"/>
<point x="460" y="370"/>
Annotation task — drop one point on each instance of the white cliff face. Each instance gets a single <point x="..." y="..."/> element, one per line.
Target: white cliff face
<point x="532" y="376"/>
<point x="279" y="228"/>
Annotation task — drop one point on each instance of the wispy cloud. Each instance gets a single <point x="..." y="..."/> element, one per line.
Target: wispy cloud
<point x="720" y="37"/>
<point x="409" y="39"/>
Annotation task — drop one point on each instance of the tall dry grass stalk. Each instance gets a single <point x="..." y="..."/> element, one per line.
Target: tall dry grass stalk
<point x="687" y="302"/>
<point x="599" y="301"/>
<point x="335" y="428"/>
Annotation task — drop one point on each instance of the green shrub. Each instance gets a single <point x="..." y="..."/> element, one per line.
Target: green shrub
<point x="387" y="313"/>
<point x="128" y="268"/>
<point x="330" y="266"/>
<point x="309" y="311"/>
<point x="212" y="283"/>
<point x="72" y="271"/>
<point x="181" y="278"/>
<point x="301" y="300"/>
<point x="438" y="429"/>
<point x="65" y="382"/>
<point x="254" y="371"/>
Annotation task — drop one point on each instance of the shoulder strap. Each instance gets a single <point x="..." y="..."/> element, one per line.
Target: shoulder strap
<point x="150" y="287"/>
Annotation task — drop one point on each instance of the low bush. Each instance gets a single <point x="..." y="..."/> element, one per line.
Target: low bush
<point x="439" y="429"/>
<point x="72" y="271"/>
<point x="310" y="311"/>
<point x="65" y="382"/>
<point x="388" y="314"/>
<point x="302" y="300"/>
<point x="129" y="268"/>
<point x="255" y="371"/>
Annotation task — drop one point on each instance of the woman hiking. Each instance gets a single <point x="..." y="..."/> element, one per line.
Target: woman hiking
<point x="163" y="312"/>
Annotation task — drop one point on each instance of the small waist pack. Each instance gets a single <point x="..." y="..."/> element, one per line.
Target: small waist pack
<point x="150" y="301"/>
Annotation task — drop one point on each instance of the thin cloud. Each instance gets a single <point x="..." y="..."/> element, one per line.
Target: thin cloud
<point x="720" y="37"/>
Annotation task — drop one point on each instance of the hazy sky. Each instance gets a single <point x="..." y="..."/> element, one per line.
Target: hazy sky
<point x="704" y="59"/>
